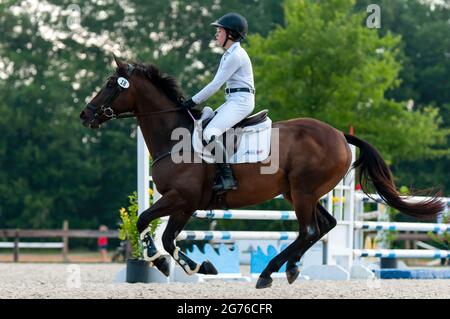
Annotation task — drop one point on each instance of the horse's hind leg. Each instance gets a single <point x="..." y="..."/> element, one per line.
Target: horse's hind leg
<point x="326" y="222"/>
<point x="174" y="226"/>
<point x="308" y="232"/>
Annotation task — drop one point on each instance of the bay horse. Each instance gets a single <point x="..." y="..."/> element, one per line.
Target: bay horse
<point x="313" y="158"/>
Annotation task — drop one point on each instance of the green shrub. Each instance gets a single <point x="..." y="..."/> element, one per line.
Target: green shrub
<point x="128" y="229"/>
<point x="441" y="240"/>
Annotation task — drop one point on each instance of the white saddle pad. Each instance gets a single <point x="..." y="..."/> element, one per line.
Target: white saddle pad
<point x="253" y="143"/>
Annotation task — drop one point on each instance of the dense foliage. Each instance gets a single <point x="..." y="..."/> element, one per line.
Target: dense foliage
<point x="311" y="58"/>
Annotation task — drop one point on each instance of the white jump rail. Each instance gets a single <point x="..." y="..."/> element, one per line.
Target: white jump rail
<point x="401" y="253"/>
<point x="246" y="214"/>
<point x="375" y="198"/>
<point x="235" y="235"/>
<point x="420" y="227"/>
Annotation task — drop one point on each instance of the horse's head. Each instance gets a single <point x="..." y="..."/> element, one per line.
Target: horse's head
<point x="115" y="98"/>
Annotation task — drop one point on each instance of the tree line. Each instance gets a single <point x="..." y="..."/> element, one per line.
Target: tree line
<point x="310" y="58"/>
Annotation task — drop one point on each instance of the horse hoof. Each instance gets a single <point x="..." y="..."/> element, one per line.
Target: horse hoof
<point x="264" y="283"/>
<point x="292" y="274"/>
<point x="163" y="265"/>
<point x="207" y="268"/>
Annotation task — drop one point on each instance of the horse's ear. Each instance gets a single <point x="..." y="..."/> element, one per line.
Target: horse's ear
<point x="118" y="63"/>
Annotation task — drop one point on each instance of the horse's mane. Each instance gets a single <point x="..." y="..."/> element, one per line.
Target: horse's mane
<point x="167" y="83"/>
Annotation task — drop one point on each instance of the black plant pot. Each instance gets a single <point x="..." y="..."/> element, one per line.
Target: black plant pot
<point x="137" y="271"/>
<point x="388" y="263"/>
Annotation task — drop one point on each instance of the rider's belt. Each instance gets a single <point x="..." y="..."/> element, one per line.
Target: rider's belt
<point x="228" y="91"/>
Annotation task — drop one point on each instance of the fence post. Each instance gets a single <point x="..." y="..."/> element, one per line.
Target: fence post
<point x="325" y="251"/>
<point x="65" y="251"/>
<point x="408" y="242"/>
<point x="16" y="246"/>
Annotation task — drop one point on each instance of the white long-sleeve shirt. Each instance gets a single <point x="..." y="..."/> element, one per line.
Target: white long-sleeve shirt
<point x="235" y="69"/>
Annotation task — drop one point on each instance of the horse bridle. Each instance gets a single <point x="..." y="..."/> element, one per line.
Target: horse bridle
<point x="122" y="84"/>
<point x="105" y="109"/>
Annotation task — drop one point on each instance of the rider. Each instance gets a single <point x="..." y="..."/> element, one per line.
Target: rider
<point x="236" y="70"/>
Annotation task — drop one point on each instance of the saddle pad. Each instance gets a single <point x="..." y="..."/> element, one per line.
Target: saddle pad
<point x="253" y="143"/>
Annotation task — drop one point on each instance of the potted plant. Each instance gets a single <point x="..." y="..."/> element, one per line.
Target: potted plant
<point x="137" y="267"/>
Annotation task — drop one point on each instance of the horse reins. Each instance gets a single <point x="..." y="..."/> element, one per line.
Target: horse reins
<point x="128" y="115"/>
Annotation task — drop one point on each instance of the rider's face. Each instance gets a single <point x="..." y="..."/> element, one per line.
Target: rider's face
<point x="220" y="36"/>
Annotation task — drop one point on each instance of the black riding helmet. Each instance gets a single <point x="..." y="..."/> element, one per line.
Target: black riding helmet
<point x="235" y="26"/>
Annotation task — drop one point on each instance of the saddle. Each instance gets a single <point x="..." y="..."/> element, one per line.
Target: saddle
<point x="254" y="119"/>
<point x="250" y="138"/>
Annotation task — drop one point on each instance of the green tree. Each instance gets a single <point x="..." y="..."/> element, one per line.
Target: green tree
<point x="52" y="168"/>
<point x="325" y="63"/>
<point x="177" y="36"/>
<point x="425" y="57"/>
<point x="424" y="76"/>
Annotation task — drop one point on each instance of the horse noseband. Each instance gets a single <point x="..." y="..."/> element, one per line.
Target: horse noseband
<point x="108" y="111"/>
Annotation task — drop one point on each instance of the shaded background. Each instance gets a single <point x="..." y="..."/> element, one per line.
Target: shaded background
<point x="310" y="58"/>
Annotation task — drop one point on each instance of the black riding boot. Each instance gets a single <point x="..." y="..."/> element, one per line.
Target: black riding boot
<point x="225" y="180"/>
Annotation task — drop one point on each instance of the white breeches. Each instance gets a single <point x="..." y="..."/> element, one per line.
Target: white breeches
<point x="237" y="107"/>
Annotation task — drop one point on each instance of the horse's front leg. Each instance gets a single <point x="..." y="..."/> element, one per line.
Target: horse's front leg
<point x="174" y="226"/>
<point x="170" y="203"/>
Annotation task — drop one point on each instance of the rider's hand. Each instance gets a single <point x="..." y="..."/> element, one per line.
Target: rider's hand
<point x="188" y="104"/>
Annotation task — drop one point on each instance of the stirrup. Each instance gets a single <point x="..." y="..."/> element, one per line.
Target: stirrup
<point x="219" y="186"/>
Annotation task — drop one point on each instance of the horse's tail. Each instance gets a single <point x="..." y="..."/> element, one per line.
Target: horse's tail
<point x="373" y="168"/>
